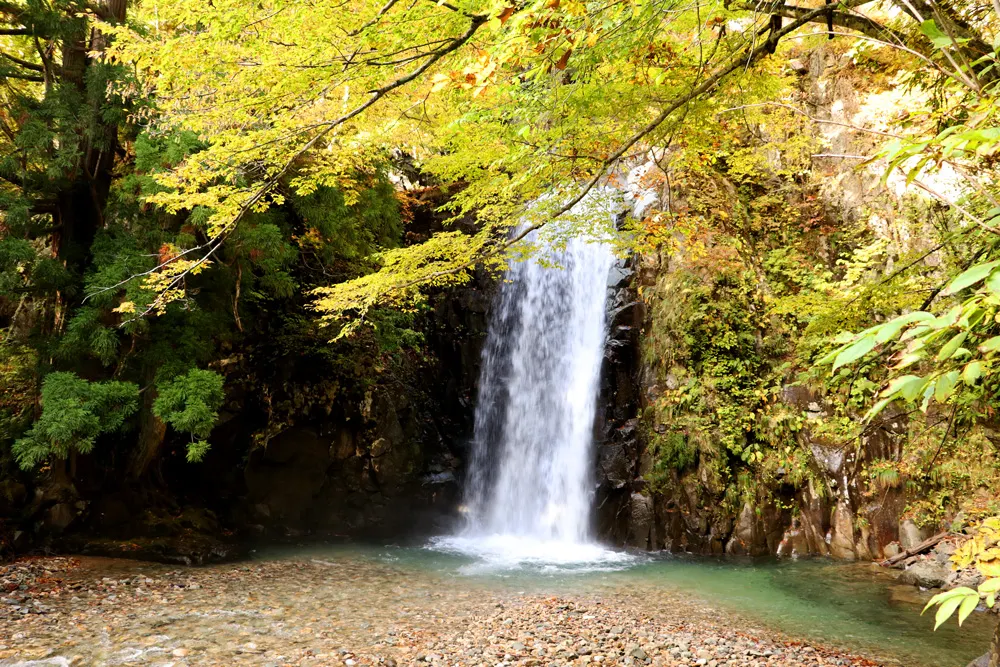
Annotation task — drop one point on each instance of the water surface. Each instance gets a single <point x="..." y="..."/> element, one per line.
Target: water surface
<point x="314" y="606"/>
<point x="856" y="607"/>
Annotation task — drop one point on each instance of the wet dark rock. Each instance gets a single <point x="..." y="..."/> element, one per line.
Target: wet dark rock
<point x="288" y="473"/>
<point x="445" y="477"/>
<point x="197" y="552"/>
<point x="60" y="516"/>
<point x="642" y="522"/>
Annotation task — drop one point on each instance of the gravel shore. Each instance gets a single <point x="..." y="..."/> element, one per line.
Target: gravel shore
<point x="307" y="611"/>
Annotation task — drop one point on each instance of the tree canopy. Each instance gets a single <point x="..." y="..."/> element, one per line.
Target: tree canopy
<point x="184" y="182"/>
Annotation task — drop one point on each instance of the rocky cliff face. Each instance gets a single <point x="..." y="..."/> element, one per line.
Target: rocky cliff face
<point x="829" y="515"/>
<point x="660" y="485"/>
<point x="391" y="464"/>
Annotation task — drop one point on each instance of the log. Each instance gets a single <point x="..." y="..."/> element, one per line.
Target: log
<point x="924" y="546"/>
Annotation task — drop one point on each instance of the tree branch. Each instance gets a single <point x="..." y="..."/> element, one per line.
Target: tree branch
<point x="856" y="22"/>
<point x="744" y="60"/>
<point x="23" y="63"/>
<point x="24" y="77"/>
<point x="374" y="96"/>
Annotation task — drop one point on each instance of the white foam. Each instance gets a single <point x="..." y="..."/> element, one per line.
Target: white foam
<point x="504" y="552"/>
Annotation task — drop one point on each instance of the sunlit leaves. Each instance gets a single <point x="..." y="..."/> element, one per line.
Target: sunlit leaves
<point x="981" y="551"/>
<point x="957" y="344"/>
<point x="970" y="277"/>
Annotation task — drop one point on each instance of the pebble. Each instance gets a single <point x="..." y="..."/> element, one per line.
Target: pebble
<point x="357" y="613"/>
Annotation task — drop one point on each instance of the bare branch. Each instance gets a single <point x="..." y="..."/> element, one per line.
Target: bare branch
<point x="857" y="22"/>
<point x="23" y="77"/>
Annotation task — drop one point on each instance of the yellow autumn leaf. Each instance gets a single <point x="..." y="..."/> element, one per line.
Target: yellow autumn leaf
<point x="439" y="81"/>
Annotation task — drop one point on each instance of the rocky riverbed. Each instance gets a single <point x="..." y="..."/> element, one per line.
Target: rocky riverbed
<point x="332" y="611"/>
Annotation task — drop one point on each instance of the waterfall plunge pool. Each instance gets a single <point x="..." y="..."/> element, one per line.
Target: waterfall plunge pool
<point x="325" y="605"/>
<point x="854" y="607"/>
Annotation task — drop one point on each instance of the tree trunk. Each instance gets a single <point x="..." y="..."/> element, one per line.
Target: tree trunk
<point x="152" y="435"/>
<point x="80" y="207"/>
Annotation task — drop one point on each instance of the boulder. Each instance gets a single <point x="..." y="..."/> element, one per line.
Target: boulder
<point x="969" y="577"/>
<point x="59" y="517"/>
<point x="926" y="574"/>
<point x="910" y="535"/>
<point x="943" y="552"/>
<point x="794" y="542"/>
<point x="742" y="541"/>
<point x="981" y="661"/>
<point x="842" y="534"/>
<point x="642" y="522"/>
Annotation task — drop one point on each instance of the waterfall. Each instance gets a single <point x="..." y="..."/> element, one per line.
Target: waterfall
<point x="530" y="484"/>
<point x="530" y="473"/>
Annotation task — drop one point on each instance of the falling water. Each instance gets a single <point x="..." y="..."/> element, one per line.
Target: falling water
<point x="530" y="482"/>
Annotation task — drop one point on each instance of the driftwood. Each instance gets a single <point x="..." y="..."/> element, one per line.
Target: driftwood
<point x="926" y="545"/>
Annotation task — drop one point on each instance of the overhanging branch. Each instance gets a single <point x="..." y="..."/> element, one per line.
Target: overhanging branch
<point x="374" y="96"/>
<point x="745" y="59"/>
<point x="855" y="22"/>
<point x="23" y="63"/>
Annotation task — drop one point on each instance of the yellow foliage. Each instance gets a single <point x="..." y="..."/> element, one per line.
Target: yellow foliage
<point x="982" y="550"/>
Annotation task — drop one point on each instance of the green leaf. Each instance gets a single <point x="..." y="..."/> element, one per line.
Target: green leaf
<point x="196" y="451"/>
<point x="912" y="390"/>
<point x="909" y="359"/>
<point x="945" y="385"/>
<point x="961" y="591"/>
<point x="993" y="283"/>
<point x="915" y="332"/>
<point x="970" y="276"/>
<point x="908" y="386"/>
<point x="990" y="586"/>
<point x="991" y="345"/>
<point x="928" y="394"/>
<point x="854" y="351"/>
<point x="946" y="609"/>
<point x="828" y="359"/>
<point x="949" y="348"/>
<point x="892" y="328"/>
<point x="968" y="606"/>
<point x="972" y="372"/>
<point x="878" y="407"/>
